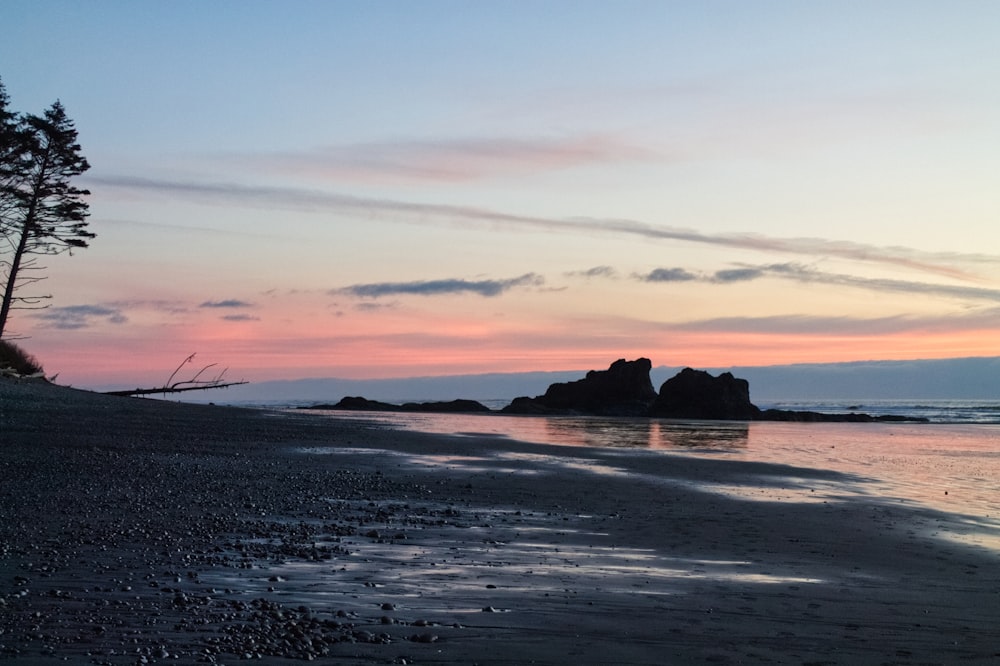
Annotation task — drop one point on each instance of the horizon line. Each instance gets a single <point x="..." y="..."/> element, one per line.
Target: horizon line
<point x="583" y="371"/>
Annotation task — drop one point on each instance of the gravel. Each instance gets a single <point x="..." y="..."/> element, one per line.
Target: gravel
<point x="113" y="509"/>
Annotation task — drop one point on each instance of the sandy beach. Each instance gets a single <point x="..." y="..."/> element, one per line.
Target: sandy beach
<point x="141" y="531"/>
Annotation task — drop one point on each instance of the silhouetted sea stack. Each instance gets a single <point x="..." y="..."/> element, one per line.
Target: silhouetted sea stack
<point x="624" y="389"/>
<point x="695" y="394"/>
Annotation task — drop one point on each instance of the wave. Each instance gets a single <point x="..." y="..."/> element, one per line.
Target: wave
<point x="936" y="411"/>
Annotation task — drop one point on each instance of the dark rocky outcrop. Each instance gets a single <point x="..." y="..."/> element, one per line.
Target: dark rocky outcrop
<point x="357" y="403"/>
<point x="821" y="417"/>
<point x="456" y="406"/>
<point x="695" y="394"/>
<point x="624" y="389"/>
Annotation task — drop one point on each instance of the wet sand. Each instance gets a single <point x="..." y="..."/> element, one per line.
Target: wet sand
<point x="139" y="531"/>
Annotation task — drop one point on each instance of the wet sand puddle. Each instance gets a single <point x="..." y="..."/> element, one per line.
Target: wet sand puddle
<point x="429" y="573"/>
<point x="535" y="577"/>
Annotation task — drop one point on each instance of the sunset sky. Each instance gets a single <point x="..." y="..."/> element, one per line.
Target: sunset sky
<point x="391" y="189"/>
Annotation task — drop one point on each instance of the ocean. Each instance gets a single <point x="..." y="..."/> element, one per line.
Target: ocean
<point x="936" y="411"/>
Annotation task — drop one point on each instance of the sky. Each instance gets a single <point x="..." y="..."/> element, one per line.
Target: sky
<point x="392" y="189"/>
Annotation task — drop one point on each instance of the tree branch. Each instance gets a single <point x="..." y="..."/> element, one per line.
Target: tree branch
<point x="192" y="384"/>
<point x="172" y="389"/>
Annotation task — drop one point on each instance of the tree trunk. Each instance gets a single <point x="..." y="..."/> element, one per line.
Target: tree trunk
<point x="15" y="265"/>
<point x="22" y="245"/>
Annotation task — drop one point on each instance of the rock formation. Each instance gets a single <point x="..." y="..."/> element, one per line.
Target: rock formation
<point x="849" y="417"/>
<point x="454" y="406"/>
<point x="695" y="394"/>
<point x="624" y="389"/>
<point x="357" y="403"/>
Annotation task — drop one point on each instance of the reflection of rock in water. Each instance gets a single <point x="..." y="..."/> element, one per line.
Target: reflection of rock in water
<point x="644" y="433"/>
<point x="714" y="435"/>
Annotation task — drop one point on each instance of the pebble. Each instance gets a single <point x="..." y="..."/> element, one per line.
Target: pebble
<point x="163" y="498"/>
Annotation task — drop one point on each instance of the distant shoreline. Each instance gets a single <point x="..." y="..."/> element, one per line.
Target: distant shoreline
<point x="859" y="382"/>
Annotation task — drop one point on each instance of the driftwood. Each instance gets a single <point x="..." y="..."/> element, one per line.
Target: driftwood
<point x="193" y="384"/>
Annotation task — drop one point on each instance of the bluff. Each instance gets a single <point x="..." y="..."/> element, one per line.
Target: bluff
<point x="624" y="389"/>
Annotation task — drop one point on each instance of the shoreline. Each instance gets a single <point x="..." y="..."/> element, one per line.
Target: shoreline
<point x="182" y="533"/>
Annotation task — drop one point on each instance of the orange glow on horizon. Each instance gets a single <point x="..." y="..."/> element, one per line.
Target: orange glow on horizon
<point x="93" y="362"/>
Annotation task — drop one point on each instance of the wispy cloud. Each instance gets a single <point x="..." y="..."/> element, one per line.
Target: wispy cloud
<point x="450" y="160"/>
<point x="805" y="274"/>
<point x="156" y="305"/>
<point x="72" y="317"/>
<point x="240" y="317"/>
<point x="852" y="326"/>
<point x="738" y="274"/>
<point x="227" y="303"/>
<point x="230" y="194"/>
<point x="487" y="288"/>
<point x="595" y="272"/>
<point x="369" y="306"/>
<point x="668" y="275"/>
<point x="800" y="273"/>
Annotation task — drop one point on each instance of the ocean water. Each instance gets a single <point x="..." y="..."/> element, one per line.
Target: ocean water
<point x="936" y="411"/>
<point x="951" y="465"/>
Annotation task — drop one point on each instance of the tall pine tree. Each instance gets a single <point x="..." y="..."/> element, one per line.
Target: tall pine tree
<point x="9" y="163"/>
<point x="41" y="213"/>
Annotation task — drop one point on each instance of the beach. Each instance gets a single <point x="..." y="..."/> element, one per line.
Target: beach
<point x="146" y="531"/>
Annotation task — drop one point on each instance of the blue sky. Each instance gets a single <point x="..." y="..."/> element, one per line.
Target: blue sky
<point x="395" y="188"/>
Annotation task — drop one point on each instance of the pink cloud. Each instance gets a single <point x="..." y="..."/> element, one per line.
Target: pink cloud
<point x="451" y="160"/>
